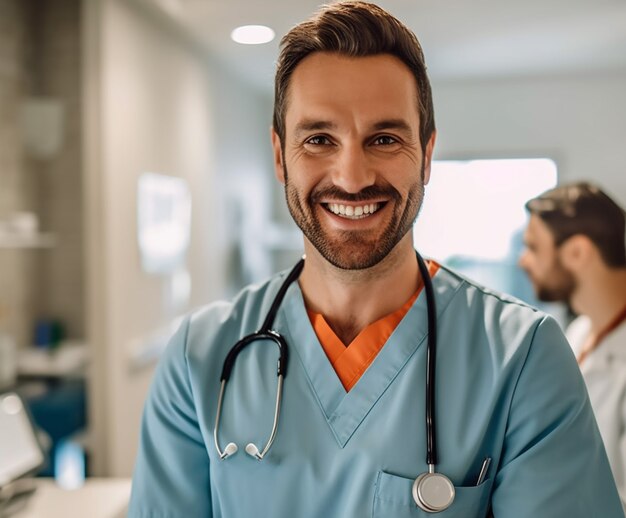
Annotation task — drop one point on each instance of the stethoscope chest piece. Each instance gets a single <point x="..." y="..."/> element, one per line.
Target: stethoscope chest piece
<point x="433" y="492"/>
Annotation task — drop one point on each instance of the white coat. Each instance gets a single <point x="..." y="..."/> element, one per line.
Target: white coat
<point x="604" y="371"/>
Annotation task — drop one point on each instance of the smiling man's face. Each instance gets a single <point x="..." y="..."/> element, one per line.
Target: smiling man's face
<point x="353" y="167"/>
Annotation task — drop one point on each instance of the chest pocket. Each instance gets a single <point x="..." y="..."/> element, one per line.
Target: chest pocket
<point x="393" y="497"/>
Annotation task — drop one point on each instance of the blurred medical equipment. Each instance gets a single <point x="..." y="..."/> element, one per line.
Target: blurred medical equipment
<point x="20" y="451"/>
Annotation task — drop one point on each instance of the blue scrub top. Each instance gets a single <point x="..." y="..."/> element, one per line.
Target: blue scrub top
<point x="507" y="387"/>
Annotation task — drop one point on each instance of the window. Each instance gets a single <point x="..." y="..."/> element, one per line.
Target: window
<point x="473" y="218"/>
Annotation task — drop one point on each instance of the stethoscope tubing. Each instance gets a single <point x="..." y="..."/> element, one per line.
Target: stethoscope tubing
<point x="431" y="362"/>
<point x="264" y="333"/>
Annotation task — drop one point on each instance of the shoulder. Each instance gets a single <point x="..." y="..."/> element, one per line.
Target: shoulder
<point x="494" y="307"/>
<point x="501" y="330"/>
<point x="218" y="325"/>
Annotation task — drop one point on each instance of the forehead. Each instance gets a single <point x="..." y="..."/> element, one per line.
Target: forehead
<point x="328" y="84"/>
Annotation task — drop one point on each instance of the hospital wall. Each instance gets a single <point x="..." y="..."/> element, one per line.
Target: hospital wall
<point x="40" y="60"/>
<point x="18" y="188"/>
<point x="153" y="103"/>
<point x="578" y="120"/>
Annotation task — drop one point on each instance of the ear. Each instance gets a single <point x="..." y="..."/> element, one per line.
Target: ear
<point x="428" y="156"/>
<point x="279" y="169"/>
<point x="576" y="252"/>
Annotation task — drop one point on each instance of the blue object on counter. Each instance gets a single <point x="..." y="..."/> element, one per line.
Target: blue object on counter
<point x="61" y="412"/>
<point x="48" y="333"/>
<point x="69" y="465"/>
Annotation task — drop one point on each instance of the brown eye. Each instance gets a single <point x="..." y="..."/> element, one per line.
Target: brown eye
<point x="384" y="140"/>
<point x="318" y="140"/>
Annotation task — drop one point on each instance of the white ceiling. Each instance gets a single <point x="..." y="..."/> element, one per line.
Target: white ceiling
<point x="461" y="38"/>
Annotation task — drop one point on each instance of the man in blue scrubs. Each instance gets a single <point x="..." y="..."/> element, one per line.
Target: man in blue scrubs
<point x="353" y="138"/>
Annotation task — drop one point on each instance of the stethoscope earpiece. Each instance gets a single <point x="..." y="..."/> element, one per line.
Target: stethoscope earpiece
<point x="253" y="451"/>
<point x="231" y="448"/>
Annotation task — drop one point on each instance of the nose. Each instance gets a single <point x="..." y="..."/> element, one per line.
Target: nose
<point x="522" y="262"/>
<point x="352" y="171"/>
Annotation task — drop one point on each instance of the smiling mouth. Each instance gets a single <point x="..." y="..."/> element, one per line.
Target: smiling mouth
<point x="353" y="211"/>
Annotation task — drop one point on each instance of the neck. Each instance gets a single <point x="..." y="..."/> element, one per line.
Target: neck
<point x="601" y="296"/>
<point x="350" y="300"/>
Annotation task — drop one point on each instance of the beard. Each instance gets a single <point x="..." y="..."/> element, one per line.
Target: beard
<point x="560" y="287"/>
<point x="357" y="249"/>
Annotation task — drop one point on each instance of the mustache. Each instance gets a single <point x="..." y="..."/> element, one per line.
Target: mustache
<point x="372" y="192"/>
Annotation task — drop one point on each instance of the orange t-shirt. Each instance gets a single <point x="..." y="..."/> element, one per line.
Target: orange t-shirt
<point x="351" y="361"/>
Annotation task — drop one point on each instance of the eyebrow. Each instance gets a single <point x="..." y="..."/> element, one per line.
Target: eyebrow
<point x="397" y="124"/>
<point x="307" y="125"/>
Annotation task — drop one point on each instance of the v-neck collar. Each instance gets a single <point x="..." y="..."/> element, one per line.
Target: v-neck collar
<point x="352" y="360"/>
<point x="343" y="411"/>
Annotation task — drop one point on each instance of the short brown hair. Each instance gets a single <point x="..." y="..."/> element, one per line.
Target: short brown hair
<point x="354" y="29"/>
<point x="583" y="208"/>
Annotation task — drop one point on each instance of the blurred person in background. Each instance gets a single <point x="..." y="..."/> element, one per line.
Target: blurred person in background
<point x="576" y="254"/>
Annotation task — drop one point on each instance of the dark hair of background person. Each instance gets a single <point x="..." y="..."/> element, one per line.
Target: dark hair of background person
<point x="354" y="29"/>
<point x="583" y="208"/>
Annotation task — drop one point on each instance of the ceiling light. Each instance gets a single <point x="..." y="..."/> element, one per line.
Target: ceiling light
<point x="252" y="34"/>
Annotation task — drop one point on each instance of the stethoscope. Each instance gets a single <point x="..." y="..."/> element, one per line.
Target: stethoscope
<point x="433" y="492"/>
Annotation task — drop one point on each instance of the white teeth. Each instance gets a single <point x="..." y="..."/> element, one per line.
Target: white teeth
<point x="352" y="211"/>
